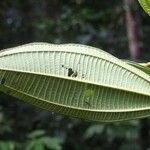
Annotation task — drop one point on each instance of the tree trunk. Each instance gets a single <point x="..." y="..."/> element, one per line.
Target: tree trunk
<point x="132" y="28"/>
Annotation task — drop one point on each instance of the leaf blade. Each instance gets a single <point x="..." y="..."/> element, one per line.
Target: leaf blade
<point x="105" y="88"/>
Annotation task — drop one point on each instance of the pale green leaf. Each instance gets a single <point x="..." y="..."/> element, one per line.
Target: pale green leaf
<point x="93" y="130"/>
<point x="36" y="134"/>
<point x="52" y="142"/>
<point x="75" y="80"/>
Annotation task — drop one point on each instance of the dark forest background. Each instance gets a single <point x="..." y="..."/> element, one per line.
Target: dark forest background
<point x="120" y="27"/>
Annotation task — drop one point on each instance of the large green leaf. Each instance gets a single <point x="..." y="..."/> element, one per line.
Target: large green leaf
<point x="75" y="80"/>
<point x="145" y="5"/>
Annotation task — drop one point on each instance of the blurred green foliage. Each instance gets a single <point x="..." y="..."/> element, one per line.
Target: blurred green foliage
<point x="98" y="23"/>
<point x="38" y="141"/>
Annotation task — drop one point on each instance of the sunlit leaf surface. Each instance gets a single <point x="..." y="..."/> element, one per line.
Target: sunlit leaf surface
<point x="75" y="80"/>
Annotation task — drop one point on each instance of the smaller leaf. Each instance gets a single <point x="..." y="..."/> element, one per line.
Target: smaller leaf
<point x="3" y="146"/>
<point x="30" y="145"/>
<point x="130" y="145"/>
<point x="92" y="130"/>
<point x="36" y="134"/>
<point x="145" y="5"/>
<point x="39" y="145"/>
<point x="52" y="142"/>
<point x="144" y="68"/>
<point x="145" y="64"/>
<point x="11" y="145"/>
<point x="7" y="145"/>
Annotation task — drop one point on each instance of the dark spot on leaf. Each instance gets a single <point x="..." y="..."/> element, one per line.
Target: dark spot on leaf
<point x="3" y="81"/>
<point x="83" y="76"/>
<point x="64" y="66"/>
<point x="17" y="73"/>
<point x="70" y="72"/>
<point x="87" y="103"/>
<point x="75" y="74"/>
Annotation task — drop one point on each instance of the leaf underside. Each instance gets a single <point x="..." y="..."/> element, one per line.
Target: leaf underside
<point x="75" y="80"/>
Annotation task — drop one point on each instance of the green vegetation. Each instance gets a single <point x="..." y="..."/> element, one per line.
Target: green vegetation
<point x="97" y="23"/>
<point x="146" y="5"/>
<point x="108" y="91"/>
